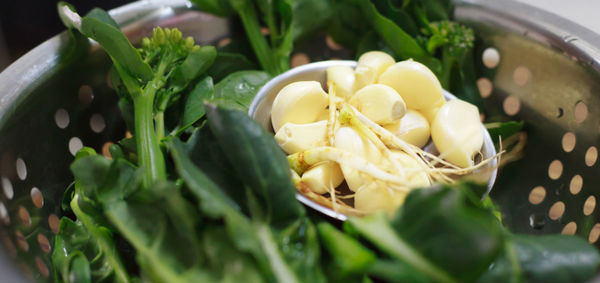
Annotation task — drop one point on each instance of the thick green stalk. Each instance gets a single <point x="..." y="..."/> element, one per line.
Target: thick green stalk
<point x="257" y="40"/>
<point x="150" y="156"/>
<point x="104" y="243"/>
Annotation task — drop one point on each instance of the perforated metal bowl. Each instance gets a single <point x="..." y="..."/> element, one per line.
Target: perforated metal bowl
<point x="547" y="75"/>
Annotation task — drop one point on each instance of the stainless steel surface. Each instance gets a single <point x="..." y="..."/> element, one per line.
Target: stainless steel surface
<point x="260" y="110"/>
<point x="548" y="67"/>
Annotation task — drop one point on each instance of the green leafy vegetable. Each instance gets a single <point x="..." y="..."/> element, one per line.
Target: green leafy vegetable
<point x="239" y="88"/>
<point x="503" y="130"/>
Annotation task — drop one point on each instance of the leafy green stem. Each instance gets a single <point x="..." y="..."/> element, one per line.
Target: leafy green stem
<point x="250" y="21"/>
<point x="448" y="62"/>
<point x="150" y="156"/>
<point x="104" y="241"/>
<point x="377" y="230"/>
<point x="280" y="268"/>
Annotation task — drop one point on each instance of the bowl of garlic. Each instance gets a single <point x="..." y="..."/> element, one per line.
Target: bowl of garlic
<point x="360" y="135"/>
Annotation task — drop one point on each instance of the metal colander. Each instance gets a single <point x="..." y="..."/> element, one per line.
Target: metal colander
<point x="532" y="66"/>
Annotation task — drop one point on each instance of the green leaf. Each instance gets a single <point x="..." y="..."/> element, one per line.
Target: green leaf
<point x="299" y="244"/>
<point x="402" y="43"/>
<point x="116" y="45"/>
<point x="103" y="16"/>
<point x="239" y="88"/>
<point x="194" y="105"/>
<point x="212" y="200"/>
<point x="231" y="264"/>
<point x="377" y="229"/>
<point x="227" y="63"/>
<point x="429" y="215"/>
<point x="547" y="258"/>
<point x="88" y="256"/>
<point x="195" y="64"/>
<point x="220" y="8"/>
<point x="348" y="253"/>
<point x="503" y="130"/>
<point x="304" y="22"/>
<point x="258" y="161"/>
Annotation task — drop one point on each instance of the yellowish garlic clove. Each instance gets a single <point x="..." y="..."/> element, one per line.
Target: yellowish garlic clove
<point x="413" y="128"/>
<point x="298" y="103"/>
<point x="374" y="197"/>
<point x="294" y="138"/>
<point x="343" y="78"/>
<point x="323" y="176"/>
<point x="417" y="85"/>
<point x="415" y="174"/>
<point x="457" y="133"/>
<point x="380" y="103"/>
<point x="370" y="66"/>
<point x="349" y="140"/>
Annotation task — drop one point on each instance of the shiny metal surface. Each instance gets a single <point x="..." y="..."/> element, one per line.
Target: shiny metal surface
<point x="260" y="110"/>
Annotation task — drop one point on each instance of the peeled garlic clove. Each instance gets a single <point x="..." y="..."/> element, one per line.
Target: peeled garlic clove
<point x="298" y="103"/>
<point x="417" y="85"/>
<point x="294" y="138"/>
<point x="413" y="128"/>
<point x="457" y="133"/>
<point x="348" y="139"/>
<point x="380" y="103"/>
<point x="370" y="66"/>
<point x="374" y="197"/>
<point x="323" y="176"/>
<point x="430" y="113"/>
<point x="343" y="78"/>
<point x="415" y="174"/>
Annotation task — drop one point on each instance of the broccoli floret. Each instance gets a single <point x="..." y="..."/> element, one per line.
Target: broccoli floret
<point x="453" y="41"/>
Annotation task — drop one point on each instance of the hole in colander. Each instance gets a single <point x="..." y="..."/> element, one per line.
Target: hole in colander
<point x="41" y="266"/>
<point x="7" y="188"/>
<point x="21" y="242"/>
<point x="4" y="214"/>
<point x="557" y="210"/>
<point x="24" y="216"/>
<point x="36" y="197"/>
<point x="53" y="223"/>
<point x="594" y="233"/>
<point x="299" y="59"/>
<point x="332" y="44"/>
<point x="521" y="75"/>
<point x="490" y="57"/>
<point x="537" y="221"/>
<point x="555" y="169"/>
<point x="576" y="184"/>
<point x="75" y="145"/>
<point x="61" y="118"/>
<point x="86" y="94"/>
<point x="265" y="30"/>
<point x="581" y="112"/>
<point x="559" y="112"/>
<point x="589" y="205"/>
<point x="44" y="243"/>
<point x="223" y="42"/>
<point x="21" y="169"/>
<point x="591" y="156"/>
<point x="97" y="123"/>
<point x="106" y="150"/>
<point x="568" y="141"/>
<point x="485" y="87"/>
<point x="511" y="105"/>
<point x="570" y="228"/>
<point x="537" y="195"/>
